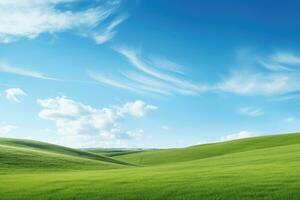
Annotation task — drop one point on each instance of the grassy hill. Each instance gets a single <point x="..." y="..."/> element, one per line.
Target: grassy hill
<point x="111" y="152"/>
<point x="257" y="168"/>
<point x="156" y="157"/>
<point x="33" y="155"/>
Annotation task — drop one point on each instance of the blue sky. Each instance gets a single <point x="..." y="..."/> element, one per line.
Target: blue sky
<point x="148" y="73"/>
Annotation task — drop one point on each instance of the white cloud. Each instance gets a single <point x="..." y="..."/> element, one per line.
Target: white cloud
<point x="281" y="61"/>
<point x="138" y="62"/>
<point x="126" y="85"/>
<point x="150" y="79"/>
<point x="152" y="84"/>
<point x="5" y="129"/>
<point x="286" y="58"/>
<point x="30" y="18"/>
<point x="77" y="119"/>
<point x="23" y="72"/>
<point x="110" y="81"/>
<point x="240" y="135"/>
<point x="153" y="75"/>
<point x="249" y="83"/>
<point x="273" y="65"/>
<point x="267" y="75"/>
<point x="164" y="127"/>
<point x="250" y="111"/>
<point x="287" y="97"/>
<point x="14" y="94"/>
<point x="108" y="32"/>
<point x="137" y="108"/>
<point x="167" y="65"/>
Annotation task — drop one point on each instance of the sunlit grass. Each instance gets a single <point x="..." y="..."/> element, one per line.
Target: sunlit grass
<point x="260" y="168"/>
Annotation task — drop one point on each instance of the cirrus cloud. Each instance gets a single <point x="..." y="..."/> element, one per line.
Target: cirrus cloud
<point x="250" y="111"/>
<point x="30" y="18"/>
<point x="269" y="75"/>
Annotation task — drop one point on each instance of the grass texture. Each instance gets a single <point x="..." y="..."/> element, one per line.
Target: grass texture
<point x="256" y="168"/>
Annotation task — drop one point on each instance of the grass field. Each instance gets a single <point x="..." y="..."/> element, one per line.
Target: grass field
<point x="256" y="168"/>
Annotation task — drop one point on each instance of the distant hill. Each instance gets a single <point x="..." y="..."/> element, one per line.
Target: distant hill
<point x="28" y="154"/>
<point x="111" y="152"/>
<point x="157" y="157"/>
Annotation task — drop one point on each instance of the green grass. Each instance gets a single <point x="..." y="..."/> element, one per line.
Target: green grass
<point x="32" y="155"/>
<point x="256" y="168"/>
<point x="111" y="152"/>
<point x="156" y="157"/>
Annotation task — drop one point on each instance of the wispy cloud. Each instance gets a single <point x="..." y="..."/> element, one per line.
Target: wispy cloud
<point x="254" y="80"/>
<point x="138" y="62"/>
<point x="287" y="97"/>
<point x="111" y="81"/>
<point x="125" y="84"/>
<point x="108" y="32"/>
<point x="257" y="83"/>
<point x="270" y="65"/>
<point x="156" y="85"/>
<point x="166" y="64"/>
<point x="269" y="75"/>
<point x="9" y="69"/>
<point x="286" y="58"/>
<point x="148" y="77"/>
<point x="23" y="72"/>
<point x="251" y="111"/>
<point x="280" y="61"/>
<point x="29" y="19"/>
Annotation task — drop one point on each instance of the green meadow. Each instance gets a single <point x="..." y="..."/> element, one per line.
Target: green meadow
<point x="265" y="167"/>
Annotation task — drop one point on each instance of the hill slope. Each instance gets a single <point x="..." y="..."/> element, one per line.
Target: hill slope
<point x="113" y="152"/>
<point x="168" y="156"/>
<point x="263" y="173"/>
<point x="263" y="168"/>
<point x="27" y="154"/>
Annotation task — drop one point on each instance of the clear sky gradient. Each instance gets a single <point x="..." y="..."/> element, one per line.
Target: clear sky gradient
<point x="153" y="73"/>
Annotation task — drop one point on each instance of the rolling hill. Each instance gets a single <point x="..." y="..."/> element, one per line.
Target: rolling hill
<point x="113" y="151"/>
<point x="27" y="154"/>
<point x="256" y="168"/>
<point x="167" y="156"/>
